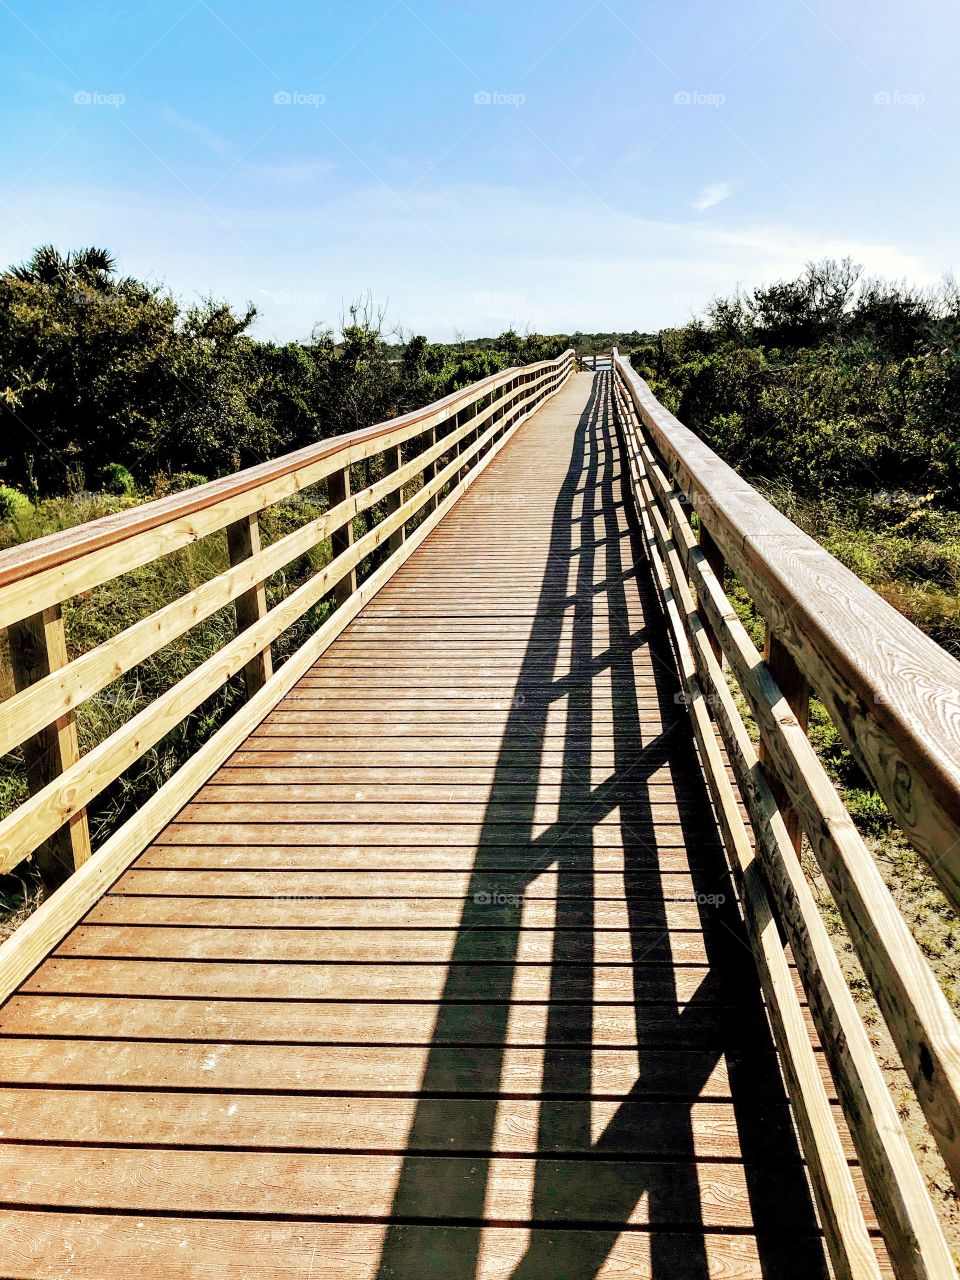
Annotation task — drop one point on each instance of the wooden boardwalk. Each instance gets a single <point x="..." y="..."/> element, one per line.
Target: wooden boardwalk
<point x="441" y="975"/>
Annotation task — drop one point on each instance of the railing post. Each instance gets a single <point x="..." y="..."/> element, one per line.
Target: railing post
<point x="430" y="470"/>
<point x="793" y="685"/>
<point x="366" y="516"/>
<point x="491" y="423"/>
<point x="243" y="541"/>
<point x="459" y="419"/>
<point x="338" y="490"/>
<point x="715" y="559"/>
<point x="393" y="461"/>
<point x="38" y="646"/>
<point x="499" y="412"/>
<point x="515" y="395"/>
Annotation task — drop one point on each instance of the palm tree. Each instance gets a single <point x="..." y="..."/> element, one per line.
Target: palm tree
<point x="90" y="268"/>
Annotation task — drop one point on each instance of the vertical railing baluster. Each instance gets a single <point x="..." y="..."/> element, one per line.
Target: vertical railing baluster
<point x="243" y="541"/>
<point x="338" y="490"/>
<point x="430" y="470"/>
<point x="393" y="461"/>
<point x="715" y="559"/>
<point x="38" y="647"/>
<point x="794" y="687"/>
<point x="458" y="420"/>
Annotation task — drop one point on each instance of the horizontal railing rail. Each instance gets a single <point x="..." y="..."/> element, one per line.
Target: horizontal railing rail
<point x="424" y="462"/>
<point x="894" y="696"/>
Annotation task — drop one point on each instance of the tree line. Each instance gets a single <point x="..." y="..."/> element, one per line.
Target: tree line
<point x="827" y="381"/>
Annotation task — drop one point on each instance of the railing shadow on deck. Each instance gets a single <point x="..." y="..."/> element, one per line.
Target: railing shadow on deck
<point x="466" y="1062"/>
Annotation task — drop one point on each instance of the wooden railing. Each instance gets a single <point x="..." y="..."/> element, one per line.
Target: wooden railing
<point x="426" y="460"/>
<point x="894" y="696"/>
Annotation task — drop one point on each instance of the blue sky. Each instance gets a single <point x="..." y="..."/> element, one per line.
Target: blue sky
<point x="589" y="164"/>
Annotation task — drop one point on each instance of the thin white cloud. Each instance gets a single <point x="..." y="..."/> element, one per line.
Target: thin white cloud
<point x="291" y="171"/>
<point x="192" y="129"/>
<point x="711" y="195"/>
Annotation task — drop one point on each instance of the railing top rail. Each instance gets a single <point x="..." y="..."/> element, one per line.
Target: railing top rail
<point x="60" y="548"/>
<point x="892" y="690"/>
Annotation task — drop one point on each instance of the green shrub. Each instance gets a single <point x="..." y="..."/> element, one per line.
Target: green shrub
<point x="115" y="478"/>
<point x="868" y="811"/>
<point x="13" y="502"/>
<point x="177" y="482"/>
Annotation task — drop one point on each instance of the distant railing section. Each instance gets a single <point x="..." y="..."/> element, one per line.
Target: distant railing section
<point x="426" y="459"/>
<point x="895" y="698"/>
<point x="594" y="363"/>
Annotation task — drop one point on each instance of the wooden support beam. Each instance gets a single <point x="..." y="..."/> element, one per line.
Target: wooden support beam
<point x="338" y="490"/>
<point x="501" y="396"/>
<point x="366" y="516"/>
<point x="393" y="462"/>
<point x="714" y="558"/>
<point x="243" y="541"/>
<point x="496" y="413"/>
<point x="430" y="470"/>
<point x="38" y="647"/>
<point x="793" y="685"/>
<point x="463" y="416"/>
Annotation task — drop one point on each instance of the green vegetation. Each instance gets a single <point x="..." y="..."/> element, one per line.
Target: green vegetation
<point x="115" y="478"/>
<point x="13" y="502"/>
<point x="823" y="381"/>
